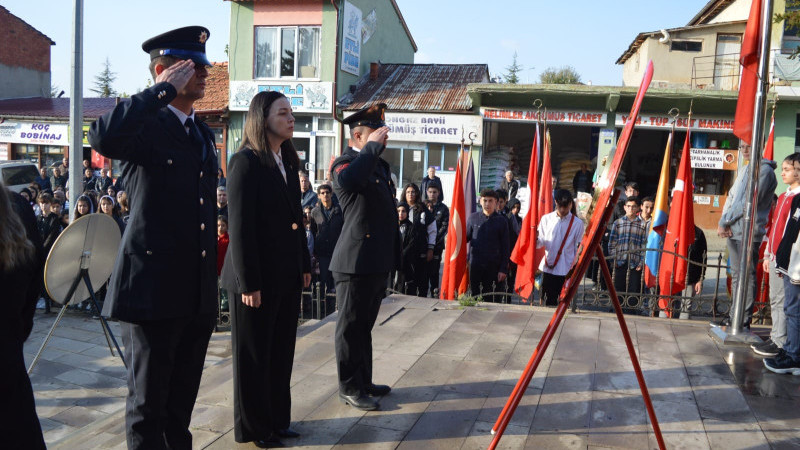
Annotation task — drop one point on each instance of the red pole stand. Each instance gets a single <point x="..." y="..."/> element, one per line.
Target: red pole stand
<point x="612" y="292"/>
<point x="524" y="380"/>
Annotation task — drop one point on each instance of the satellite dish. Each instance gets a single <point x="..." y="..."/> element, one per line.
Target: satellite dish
<point x="89" y="243"/>
<point x="78" y="264"/>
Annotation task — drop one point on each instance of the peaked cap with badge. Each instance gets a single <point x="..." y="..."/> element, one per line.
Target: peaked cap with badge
<point x="181" y="43"/>
<point x="371" y="116"/>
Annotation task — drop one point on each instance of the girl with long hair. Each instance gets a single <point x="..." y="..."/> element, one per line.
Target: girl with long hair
<point x="423" y="239"/>
<point x="266" y="266"/>
<point x="19" y="277"/>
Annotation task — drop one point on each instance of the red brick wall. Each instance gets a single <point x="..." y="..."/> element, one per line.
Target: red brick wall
<point x="22" y="45"/>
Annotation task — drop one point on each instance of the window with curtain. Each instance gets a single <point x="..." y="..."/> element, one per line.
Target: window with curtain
<point x="324" y="153"/>
<point x="266" y="46"/>
<point x="287" y="52"/>
<point x="308" y="52"/>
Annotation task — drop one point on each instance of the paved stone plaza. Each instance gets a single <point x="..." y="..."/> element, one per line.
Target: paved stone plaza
<point x="451" y="371"/>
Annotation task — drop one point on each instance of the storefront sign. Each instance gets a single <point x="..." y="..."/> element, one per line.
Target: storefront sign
<point x="531" y="115"/>
<point x="439" y="128"/>
<point x="717" y="124"/>
<point x="351" y="42"/>
<point x="34" y="133"/>
<point x="713" y="158"/>
<point x="305" y="97"/>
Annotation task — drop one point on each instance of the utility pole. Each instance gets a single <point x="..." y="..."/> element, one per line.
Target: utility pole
<point x="75" y="184"/>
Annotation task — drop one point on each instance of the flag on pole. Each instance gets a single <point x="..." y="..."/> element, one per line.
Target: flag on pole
<point x="470" y="200"/>
<point x="524" y="254"/>
<point x="659" y="220"/>
<point x="748" y="85"/>
<point x="470" y="203"/>
<point x="769" y="149"/>
<point x="680" y="230"/>
<point x="455" y="260"/>
<point x="546" y="186"/>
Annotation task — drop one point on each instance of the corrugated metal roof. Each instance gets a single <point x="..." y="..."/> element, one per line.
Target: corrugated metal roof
<point x="419" y="87"/>
<point x="53" y="107"/>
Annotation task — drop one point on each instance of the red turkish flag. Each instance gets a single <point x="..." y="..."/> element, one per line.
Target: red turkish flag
<point x="748" y="84"/>
<point x="455" y="253"/>
<point x="679" y="234"/>
<point x="524" y="254"/>
<point x="769" y="149"/>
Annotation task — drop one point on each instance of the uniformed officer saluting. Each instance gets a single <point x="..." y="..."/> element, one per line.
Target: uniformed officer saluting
<point x="367" y="250"/>
<point x="163" y="286"/>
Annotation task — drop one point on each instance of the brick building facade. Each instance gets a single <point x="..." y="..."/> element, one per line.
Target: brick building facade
<point x="24" y="58"/>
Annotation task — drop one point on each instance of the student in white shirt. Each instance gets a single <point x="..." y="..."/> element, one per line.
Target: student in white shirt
<point x="560" y="233"/>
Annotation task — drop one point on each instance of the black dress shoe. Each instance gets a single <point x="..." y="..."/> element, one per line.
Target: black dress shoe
<point x="378" y="390"/>
<point x="270" y="442"/>
<point x="361" y="402"/>
<point x="287" y="433"/>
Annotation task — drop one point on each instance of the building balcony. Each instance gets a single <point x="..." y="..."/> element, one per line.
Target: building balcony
<point x="716" y="72"/>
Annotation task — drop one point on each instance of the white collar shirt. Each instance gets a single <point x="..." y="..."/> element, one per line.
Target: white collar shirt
<point x="182" y="116"/>
<point x="279" y="162"/>
<point x="551" y="232"/>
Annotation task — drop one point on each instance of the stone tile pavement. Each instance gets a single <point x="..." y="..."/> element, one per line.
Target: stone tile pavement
<point x="451" y="371"/>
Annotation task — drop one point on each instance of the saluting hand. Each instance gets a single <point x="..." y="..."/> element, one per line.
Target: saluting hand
<point x="178" y="74"/>
<point x="381" y="135"/>
<point x="252" y="299"/>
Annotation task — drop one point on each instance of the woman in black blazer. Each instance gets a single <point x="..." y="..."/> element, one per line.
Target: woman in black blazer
<point x="266" y="267"/>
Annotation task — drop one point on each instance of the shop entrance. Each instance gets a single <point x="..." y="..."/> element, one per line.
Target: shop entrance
<point x="509" y="148"/>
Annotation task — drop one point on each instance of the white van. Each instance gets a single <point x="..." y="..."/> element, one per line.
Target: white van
<point x="18" y="174"/>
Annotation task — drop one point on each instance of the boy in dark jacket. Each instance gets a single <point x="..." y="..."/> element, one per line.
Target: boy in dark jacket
<point x="487" y="232"/>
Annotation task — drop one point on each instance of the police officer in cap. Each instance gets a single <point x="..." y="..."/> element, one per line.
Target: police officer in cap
<point x="164" y="283"/>
<point x="367" y="250"/>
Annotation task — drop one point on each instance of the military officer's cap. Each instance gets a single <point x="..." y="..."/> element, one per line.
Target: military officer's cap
<point x="181" y="43"/>
<point x="371" y="116"/>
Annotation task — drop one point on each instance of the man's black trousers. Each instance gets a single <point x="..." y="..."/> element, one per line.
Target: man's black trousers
<point x="551" y="288"/>
<point x="165" y="362"/>
<point x="358" y="299"/>
<point x="484" y="280"/>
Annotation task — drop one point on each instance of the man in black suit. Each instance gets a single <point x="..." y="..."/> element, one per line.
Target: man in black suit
<point x="326" y="225"/>
<point x="367" y="250"/>
<point x="163" y="288"/>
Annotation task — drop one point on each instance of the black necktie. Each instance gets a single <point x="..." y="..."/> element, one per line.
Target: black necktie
<point x="194" y="133"/>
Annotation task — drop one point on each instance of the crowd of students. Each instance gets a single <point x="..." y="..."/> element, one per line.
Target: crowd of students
<point x="48" y="198"/>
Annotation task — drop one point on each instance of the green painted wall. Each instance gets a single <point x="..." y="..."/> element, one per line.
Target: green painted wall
<point x="240" y="48"/>
<point x="328" y="44"/>
<point x="389" y="44"/>
<point x="785" y="126"/>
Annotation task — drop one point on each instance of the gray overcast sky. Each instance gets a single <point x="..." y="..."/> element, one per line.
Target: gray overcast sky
<point x="588" y="35"/>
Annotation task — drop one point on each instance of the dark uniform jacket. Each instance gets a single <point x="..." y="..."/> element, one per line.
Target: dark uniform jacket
<point x="268" y="250"/>
<point x="326" y="229"/>
<point x="489" y="241"/>
<point x="166" y="267"/>
<point x="370" y="240"/>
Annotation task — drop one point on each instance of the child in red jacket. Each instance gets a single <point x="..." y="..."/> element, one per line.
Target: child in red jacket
<point x="222" y="246"/>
